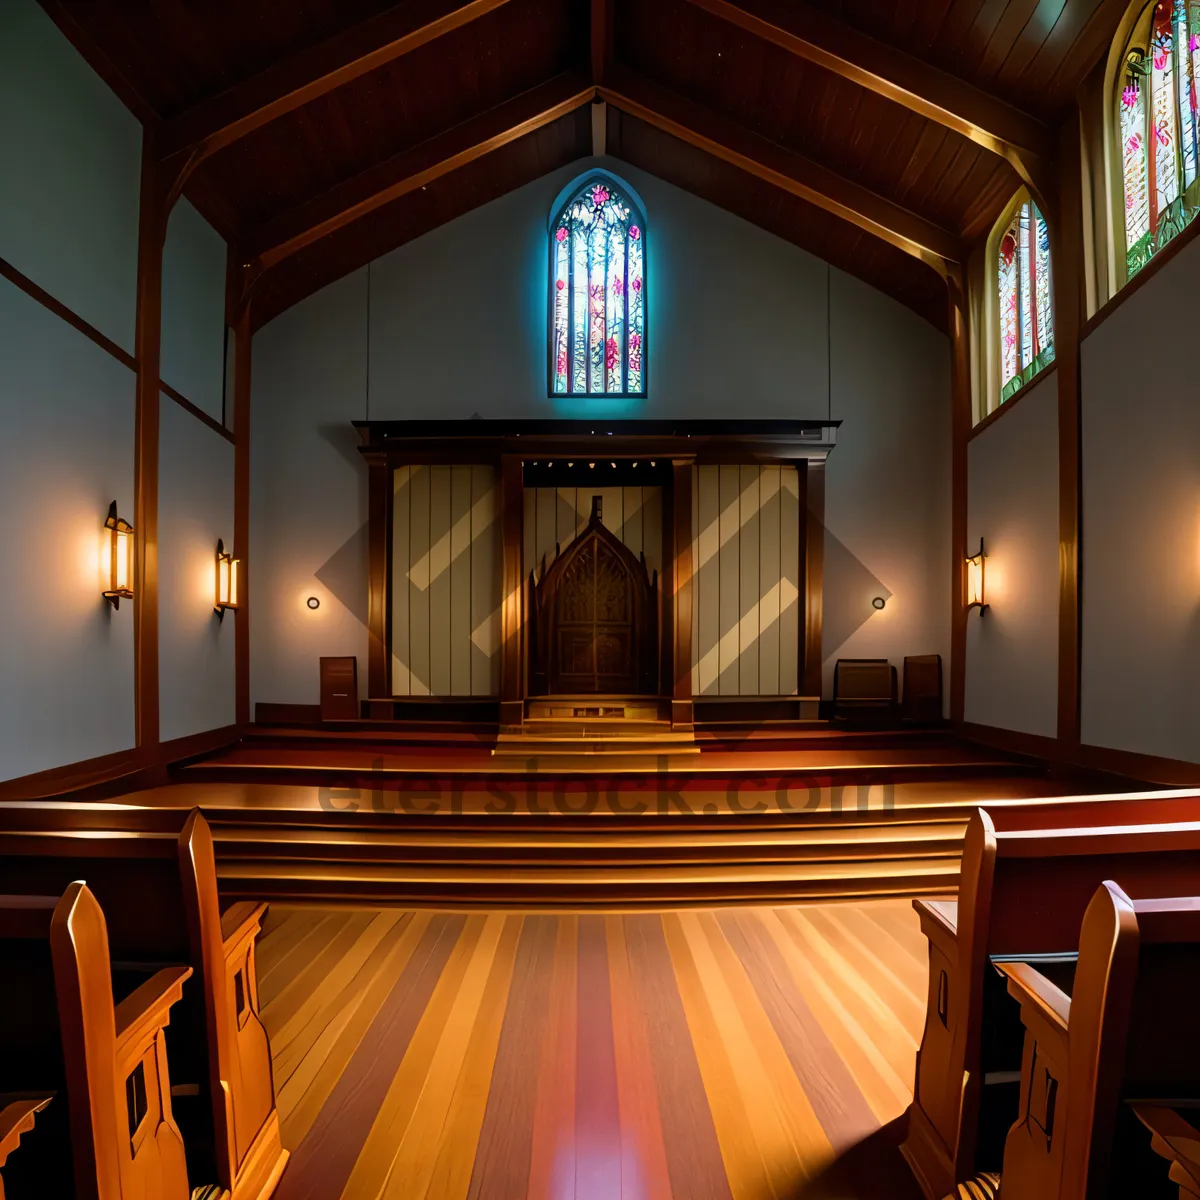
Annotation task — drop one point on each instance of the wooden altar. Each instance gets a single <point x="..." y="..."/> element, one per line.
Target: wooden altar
<point x="591" y="620"/>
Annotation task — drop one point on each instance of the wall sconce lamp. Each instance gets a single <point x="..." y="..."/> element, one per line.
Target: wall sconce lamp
<point x="878" y="603"/>
<point x="120" y="568"/>
<point x="227" y="581"/>
<point x="975" y="596"/>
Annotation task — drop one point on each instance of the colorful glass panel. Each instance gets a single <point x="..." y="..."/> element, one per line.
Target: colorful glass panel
<point x="597" y="341"/>
<point x="1023" y="294"/>
<point x="1159" y="128"/>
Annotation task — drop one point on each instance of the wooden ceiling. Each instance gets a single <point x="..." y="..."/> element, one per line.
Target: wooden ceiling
<point x="317" y="134"/>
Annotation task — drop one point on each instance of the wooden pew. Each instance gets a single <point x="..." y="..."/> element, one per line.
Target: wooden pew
<point x="17" y="1116"/>
<point x="1126" y="1033"/>
<point x="1027" y="876"/>
<point x="154" y="873"/>
<point x="1175" y="1136"/>
<point x="110" y="1135"/>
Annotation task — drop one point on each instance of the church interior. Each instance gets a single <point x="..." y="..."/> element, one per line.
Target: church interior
<point x="540" y="667"/>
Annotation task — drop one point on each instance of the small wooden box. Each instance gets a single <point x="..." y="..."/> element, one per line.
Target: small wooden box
<point x="339" y="689"/>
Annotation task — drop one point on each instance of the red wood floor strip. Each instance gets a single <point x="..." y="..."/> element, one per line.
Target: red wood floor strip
<point x="597" y="1113"/>
<point x="505" y="1148"/>
<point x="693" y="1153"/>
<point x="831" y="1090"/>
<point x="321" y="1164"/>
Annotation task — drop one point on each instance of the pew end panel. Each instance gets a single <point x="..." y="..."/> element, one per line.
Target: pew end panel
<point x="241" y="1080"/>
<point x="17" y="1117"/>
<point x="1175" y="1136"/>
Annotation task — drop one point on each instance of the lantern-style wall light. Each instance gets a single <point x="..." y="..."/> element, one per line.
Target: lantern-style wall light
<point x="975" y="594"/>
<point x="227" y="580"/>
<point x="120" y="564"/>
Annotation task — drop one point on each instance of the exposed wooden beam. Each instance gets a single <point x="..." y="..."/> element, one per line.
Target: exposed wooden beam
<point x="602" y="38"/>
<point x="733" y="143"/>
<point x="941" y="97"/>
<point x="280" y="89"/>
<point x="354" y="198"/>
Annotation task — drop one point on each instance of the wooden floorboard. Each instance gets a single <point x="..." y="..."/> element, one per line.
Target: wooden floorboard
<point x="741" y="1053"/>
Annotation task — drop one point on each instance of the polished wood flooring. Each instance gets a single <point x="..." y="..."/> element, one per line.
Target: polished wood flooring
<point x="743" y="1053"/>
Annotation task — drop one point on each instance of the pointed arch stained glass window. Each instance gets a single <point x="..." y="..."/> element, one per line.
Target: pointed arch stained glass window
<point x="1026" y="318"/>
<point x="1158" y="123"/>
<point x="598" y="293"/>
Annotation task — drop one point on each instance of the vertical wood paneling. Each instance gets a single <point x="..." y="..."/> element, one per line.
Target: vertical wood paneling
<point x="768" y="574"/>
<point x="569" y="519"/>
<point x="695" y="581"/>
<point x="530" y="560"/>
<point x="547" y="529"/>
<point x="748" y="544"/>
<point x="790" y="583"/>
<point x="730" y="575"/>
<point x="418" y="552"/>
<point x="614" y="507"/>
<point x="633" y="519"/>
<point x="652" y="529"/>
<point x="485" y="584"/>
<point x="439" y="584"/>
<point x="401" y="510"/>
<point x="460" y="581"/>
<point x="708" y="579"/>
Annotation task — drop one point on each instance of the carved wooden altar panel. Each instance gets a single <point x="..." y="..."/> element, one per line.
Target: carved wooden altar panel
<point x="596" y="619"/>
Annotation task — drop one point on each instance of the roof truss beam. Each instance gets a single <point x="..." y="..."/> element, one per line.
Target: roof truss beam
<point x="354" y="198"/>
<point x="764" y="159"/>
<point x="288" y="85"/>
<point x="935" y="94"/>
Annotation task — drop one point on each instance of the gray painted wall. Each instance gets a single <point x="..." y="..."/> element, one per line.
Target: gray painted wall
<point x="193" y="310"/>
<point x="66" y="658"/>
<point x="72" y="157"/>
<point x="740" y="325"/>
<point x="1141" y="520"/>
<point x="1012" y="503"/>
<point x="195" y="508"/>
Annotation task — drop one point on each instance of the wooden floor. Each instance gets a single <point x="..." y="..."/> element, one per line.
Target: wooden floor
<point x="737" y="1053"/>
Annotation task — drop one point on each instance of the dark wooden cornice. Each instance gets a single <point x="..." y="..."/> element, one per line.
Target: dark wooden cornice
<point x="733" y="143"/>
<point x="935" y="94"/>
<point x="601" y="38"/>
<point x="288" y="234"/>
<point x="285" y="86"/>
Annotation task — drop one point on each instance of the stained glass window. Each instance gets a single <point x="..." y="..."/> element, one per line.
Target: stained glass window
<point x="1157" y="122"/>
<point x="598" y="293"/>
<point x="1026" y="320"/>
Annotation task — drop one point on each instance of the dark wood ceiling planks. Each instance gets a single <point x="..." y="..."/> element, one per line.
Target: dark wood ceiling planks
<point x="177" y="62"/>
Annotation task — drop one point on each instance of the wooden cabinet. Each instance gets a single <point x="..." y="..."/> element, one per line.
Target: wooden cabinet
<point x="339" y="689"/>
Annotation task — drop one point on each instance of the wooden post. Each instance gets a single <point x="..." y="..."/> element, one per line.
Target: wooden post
<point x="682" y="717"/>
<point x="512" y="674"/>
<point x="960" y="430"/>
<point x="379" y="495"/>
<point x="1067" y="259"/>
<point x="156" y="190"/>
<point x="812" y="555"/>
<point x="241" y="511"/>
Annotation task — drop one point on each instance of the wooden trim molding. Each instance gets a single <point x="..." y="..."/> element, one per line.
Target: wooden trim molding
<point x="812" y="555"/>
<point x="22" y="281"/>
<point x="139" y="767"/>
<point x="1009" y="404"/>
<point x="725" y="139"/>
<point x="936" y="95"/>
<point x="199" y="413"/>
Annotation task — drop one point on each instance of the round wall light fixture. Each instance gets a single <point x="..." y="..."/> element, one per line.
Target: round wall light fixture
<point x="313" y="602"/>
<point x="878" y="602"/>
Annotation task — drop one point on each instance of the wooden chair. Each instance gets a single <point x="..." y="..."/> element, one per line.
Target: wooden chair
<point x="1027" y="876"/>
<point x="922" y="699"/>
<point x="111" y="1134"/>
<point x="1175" y="1136"/>
<point x="17" y="1116"/>
<point x="154" y="872"/>
<point x="1126" y="1033"/>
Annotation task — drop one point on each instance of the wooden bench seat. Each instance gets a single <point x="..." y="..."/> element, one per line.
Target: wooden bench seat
<point x="110" y="1133"/>
<point x="154" y="874"/>
<point x="1027" y="876"/>
<point x="1124" y="1045"/>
